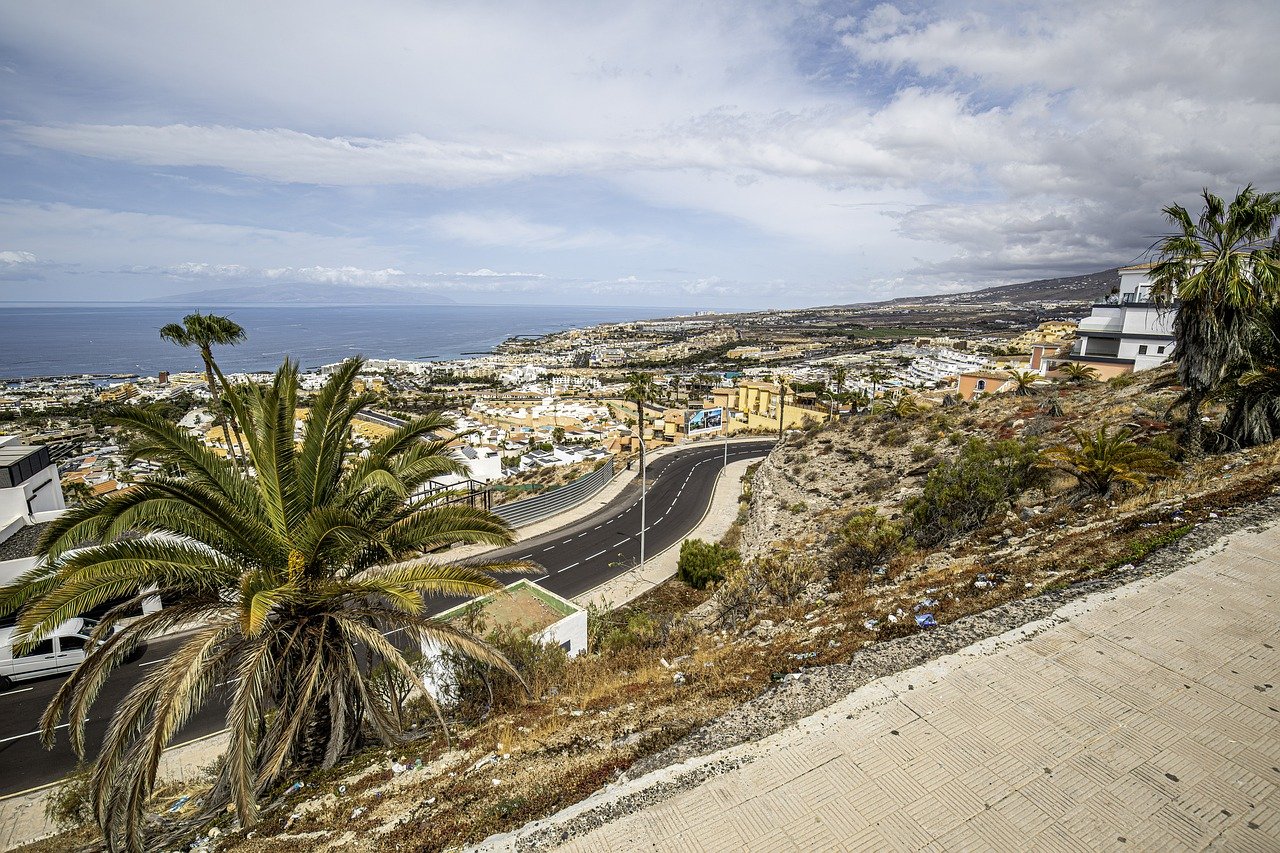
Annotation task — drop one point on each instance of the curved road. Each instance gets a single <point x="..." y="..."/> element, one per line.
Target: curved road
<point x="575" y="558"/>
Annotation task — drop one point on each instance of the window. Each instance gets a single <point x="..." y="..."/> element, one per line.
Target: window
<point x="1142" y="350"/>
<point x="1160" y="350"/>
<point x="70" y="643"/>
<point x="982" y="385"/>
<point x="45" y="647"/>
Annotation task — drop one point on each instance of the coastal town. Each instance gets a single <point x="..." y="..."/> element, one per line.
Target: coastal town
<point x="672" y="427"/>
<point x="538" y="411"/>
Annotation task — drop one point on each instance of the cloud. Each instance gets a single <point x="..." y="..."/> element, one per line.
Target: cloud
<point x="899" y="145"/>
<point x="21" y="266"/>
<point x="500" y="229"/>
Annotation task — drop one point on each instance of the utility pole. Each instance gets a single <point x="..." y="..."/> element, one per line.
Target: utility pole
<point x="643" y="491"/>
<point x="782" y="404"/>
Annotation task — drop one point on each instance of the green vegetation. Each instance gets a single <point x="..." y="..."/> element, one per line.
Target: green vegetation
<point x="867" y="539"/>
<point x="1138" y="549"/>
<point x="1024" y="382"/>
<point x="1077" y="374"/>
<point x="962" y="493"/>
<point x="1253" y="414"/>
<point x="703" y="563"/>
<point x="285" y="574"/>
<point x="1222" y="269"/>
<point x="1102" y="460"/>
<point x="202" y="331"/>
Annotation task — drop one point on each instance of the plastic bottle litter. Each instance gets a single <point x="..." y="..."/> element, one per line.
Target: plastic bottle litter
<point x="182" y="801"/>
<point x="804" y="655"/>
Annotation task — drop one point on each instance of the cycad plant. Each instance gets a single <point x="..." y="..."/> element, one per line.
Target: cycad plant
<point x="291" y="578"/>
<point x="1103" y="460"/>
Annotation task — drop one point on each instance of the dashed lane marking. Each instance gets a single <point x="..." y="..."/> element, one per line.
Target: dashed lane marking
<point x="596" y="554"/>
<point x="567" y="568"/>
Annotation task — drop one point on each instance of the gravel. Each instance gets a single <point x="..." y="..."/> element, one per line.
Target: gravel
<point x="818" y="688"/>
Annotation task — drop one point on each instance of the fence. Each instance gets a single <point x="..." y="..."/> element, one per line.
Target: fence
<point x="527" y="511"/>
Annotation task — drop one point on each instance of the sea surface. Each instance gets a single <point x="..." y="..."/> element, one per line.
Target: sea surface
<point x="74" y="339"/>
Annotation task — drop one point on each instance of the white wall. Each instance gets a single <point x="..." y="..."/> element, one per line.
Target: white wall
<point x="572" y="629"/>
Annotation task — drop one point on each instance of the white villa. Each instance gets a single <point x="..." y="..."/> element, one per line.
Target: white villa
<point x="1128" y="332"/>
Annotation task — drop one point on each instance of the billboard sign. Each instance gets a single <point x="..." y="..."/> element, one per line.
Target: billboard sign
<point x="706" y="420"/>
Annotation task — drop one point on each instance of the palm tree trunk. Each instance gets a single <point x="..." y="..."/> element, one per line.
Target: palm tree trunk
<point x="1195" y="437"/>
<point x="241" y="460"/>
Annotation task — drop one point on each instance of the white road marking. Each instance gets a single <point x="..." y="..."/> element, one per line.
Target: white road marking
<point x="596" y="554"/>
<point x="567" y="541"/>
<point x="566" y="568"/>
<point x="525" y="557"/>
<point x="153" y="662"/>
<point x="12" y="692"/>
<point x="29" y="734"/>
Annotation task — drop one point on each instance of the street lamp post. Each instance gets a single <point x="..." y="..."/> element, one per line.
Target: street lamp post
<point x="643" y="491"/>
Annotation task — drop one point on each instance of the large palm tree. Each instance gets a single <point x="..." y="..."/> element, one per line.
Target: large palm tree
<point x="286" y="575"/>
<point x="203" y="331"/>
<point x="640" y="389"/>
<point x="1103" y="460"/>
<point x="1219" y="269"/>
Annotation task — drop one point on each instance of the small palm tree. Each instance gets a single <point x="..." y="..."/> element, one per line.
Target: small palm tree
<point x="1077" y="373"/>
<point x="203" y="331"/>
<point x="858" y="400"/>
<point x="1218" y="271"/>
<point x="1102" y="460"/>
<point x="1024" y="382"/>
<point x="285" y="574"/>
<point x="905" y="407"/>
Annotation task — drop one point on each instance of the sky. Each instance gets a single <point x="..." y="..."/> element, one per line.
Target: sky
<point x="718" y="156"/>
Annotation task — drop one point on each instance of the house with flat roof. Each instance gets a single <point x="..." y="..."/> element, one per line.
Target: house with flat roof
<point x="1128" y="331"/>
<point x="524" y="607"/>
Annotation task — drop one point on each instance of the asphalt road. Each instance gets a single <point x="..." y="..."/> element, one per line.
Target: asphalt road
<point x="575" y="559"/>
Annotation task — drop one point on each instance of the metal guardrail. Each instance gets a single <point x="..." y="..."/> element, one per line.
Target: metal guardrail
<point x="547" y="504"/>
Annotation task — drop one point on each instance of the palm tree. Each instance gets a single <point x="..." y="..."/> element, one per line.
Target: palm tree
<point x="1104" y="460"/>
<point x="859" y="400"/>
<point x="640" y="389"/>
<point x="838" y="376"/>
<point x="1077" y="373"/>
<point x="1217" y="271"/>
<point x="876" y="376"/>
<point x="1024" y="382"/>
<point x="285" y="574"/>
<point x="203" y="331"/>
<point x="1253" y="415"/>
<point x="904" y="408"/>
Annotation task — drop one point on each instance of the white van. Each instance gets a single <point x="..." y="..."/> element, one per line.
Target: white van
<point x="59" y="653"/>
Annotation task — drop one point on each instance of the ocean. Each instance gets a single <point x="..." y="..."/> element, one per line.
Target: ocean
<point x="74" y="339"/>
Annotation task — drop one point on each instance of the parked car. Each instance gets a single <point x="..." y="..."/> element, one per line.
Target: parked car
<point x="59" y="653"/>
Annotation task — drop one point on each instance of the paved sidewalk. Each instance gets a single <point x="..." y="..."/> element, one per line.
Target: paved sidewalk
<point x="1146" y="718"/>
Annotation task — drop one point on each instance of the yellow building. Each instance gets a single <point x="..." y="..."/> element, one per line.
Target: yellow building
<point x="759" y="401"/>
<point x="119" y="393"/>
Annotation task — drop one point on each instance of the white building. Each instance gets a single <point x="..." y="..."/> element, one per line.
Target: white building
<point x="30" y="496"/>
<point x="1128" y="332"/>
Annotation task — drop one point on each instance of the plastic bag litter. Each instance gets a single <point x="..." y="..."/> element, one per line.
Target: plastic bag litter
<point x="926" y="620"/>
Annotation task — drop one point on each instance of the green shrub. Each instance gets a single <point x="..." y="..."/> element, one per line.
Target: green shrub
<point x="798" y="507"/>
<point x="921" y="452"/>
<point x="867" y="539"/>
<point x="959" y="495"/>
<point x="702" y="563"/>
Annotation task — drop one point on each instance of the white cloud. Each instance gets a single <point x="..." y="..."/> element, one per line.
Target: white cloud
<point x="20" y="266"/>
<point x="502" y="229"/>
<point x="905" y="143"/>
